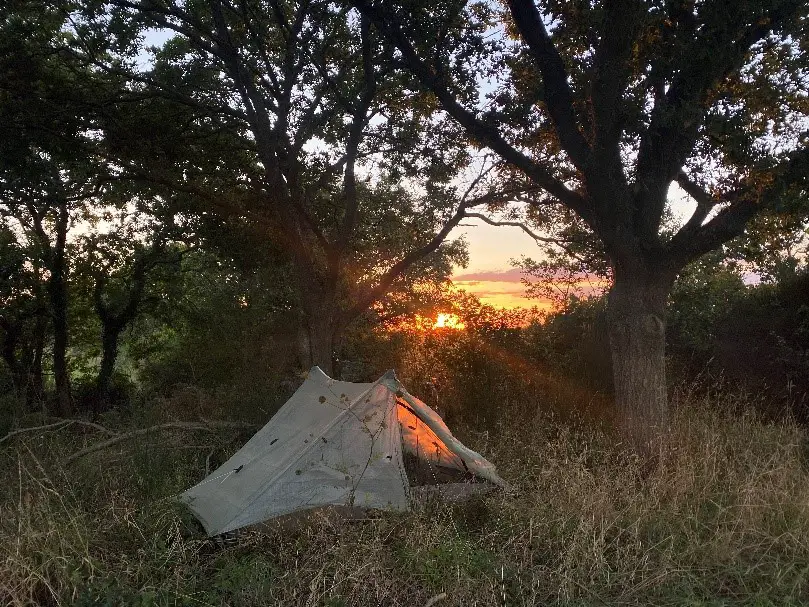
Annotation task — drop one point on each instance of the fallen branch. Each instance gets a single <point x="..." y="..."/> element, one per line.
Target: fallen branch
<point x="58" y="426"/>
<point x="192" y="426"/>
<point x="64" y="422"/>
<point x="95" y="426"/>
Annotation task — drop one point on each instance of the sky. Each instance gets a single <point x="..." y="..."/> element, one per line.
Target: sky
<point x="491" y="276"/>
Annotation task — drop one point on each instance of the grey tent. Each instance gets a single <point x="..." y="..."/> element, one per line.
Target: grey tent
<point x="331" y="443"/>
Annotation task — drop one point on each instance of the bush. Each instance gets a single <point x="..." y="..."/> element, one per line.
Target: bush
<point x="763" y="342"/>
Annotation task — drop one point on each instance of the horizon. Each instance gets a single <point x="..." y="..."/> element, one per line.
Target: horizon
<point x="495" y="280"/>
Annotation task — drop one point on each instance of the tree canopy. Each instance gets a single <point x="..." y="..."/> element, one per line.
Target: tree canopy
<point x="602" y="107"/>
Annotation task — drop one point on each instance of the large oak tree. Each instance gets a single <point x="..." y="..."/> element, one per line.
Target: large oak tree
<point x="604" y="105"/>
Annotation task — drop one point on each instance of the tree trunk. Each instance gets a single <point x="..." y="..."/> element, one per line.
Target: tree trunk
<point x="35" y="389"/>
<point x="636" y="313"/>
<point x="57" y="287"/>
<point x="9" y="354"/>
<point x="323" y="337"/>
<point x="64" y="403"/>
<point x="109" y="354"/>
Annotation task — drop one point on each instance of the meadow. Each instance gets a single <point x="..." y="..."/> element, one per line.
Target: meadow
<point x="723" y="521"/>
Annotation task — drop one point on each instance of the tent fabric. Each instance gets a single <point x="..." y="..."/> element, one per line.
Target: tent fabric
<point x="331" y="443"/>
<point x="469" y="460"/>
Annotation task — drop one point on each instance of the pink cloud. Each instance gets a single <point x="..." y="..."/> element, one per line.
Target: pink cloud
<point x="512" y="275"/>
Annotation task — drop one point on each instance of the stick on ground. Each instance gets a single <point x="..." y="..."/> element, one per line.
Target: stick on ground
<point x="57" y="426"/>
<point x="191" y="426"/>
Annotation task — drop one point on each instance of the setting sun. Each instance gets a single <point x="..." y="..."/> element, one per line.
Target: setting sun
<point x="448" y="321"/>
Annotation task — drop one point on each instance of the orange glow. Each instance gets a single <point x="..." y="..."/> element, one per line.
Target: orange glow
<point x="448" y="321"/>
<point x="419" y="439"/>
<point x="442" y="322"/>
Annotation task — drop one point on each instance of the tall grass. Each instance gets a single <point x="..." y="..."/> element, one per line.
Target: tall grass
<point x="725" y="520"/>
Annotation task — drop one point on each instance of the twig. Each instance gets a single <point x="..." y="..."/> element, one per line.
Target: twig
<point x="515" y="224"/>
<point x="98" y="427"/>
<point x="208" y="462"/>
<point x="64" y="422"/>
<point x="206" y="427"/>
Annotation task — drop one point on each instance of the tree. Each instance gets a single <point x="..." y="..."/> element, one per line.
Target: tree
<point x="327" y="129"/>
<point x="22" y="316"/>
<point x="46" y="156"/>
<point x="702" y="295"/>
<point x="775" y="246"/>
<point x="121" y="264"/>
<point x="603" y="105"/>
<point x="572" y="265"/>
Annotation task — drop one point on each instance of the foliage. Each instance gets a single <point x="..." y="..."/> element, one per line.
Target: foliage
<point x="596" y="109"/>
<point x="219" y="328"/>
<point x="762" y="342"/>
<point x="705" y="292"/>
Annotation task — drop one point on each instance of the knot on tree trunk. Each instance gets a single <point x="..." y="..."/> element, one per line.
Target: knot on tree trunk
<point x="653" y="325"/>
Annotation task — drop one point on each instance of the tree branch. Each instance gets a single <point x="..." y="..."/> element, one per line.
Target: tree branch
<point x="360" y="116"/>
<point x="562" y="244"/>
<point x="758" y="193"/>
<point x="57" y="426"/>
<point x="399" y="268"/>
<point x="676" y="118"/>
<point x="612" y="66"/>
<point x="188" y="426"/>
<point x="515" y="224"/>
<point x="558" y="95"/>
<point x="705" y="202"/>
<point x="483" y="133"/>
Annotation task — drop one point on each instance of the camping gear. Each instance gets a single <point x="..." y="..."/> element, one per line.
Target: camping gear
<point x="332" y="443"/>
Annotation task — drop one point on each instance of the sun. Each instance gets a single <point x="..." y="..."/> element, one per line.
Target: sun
<point x="448" y="321"/>
<point x="441" y="322"/>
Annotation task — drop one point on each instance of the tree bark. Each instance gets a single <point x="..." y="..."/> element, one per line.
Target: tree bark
<point x="323" y="339"/>
<point x="57" y="289"/>
<point x="64" y="403"/>
<point x="637" y="327"/>
<point x="35" y="390"/>
<point x="9" y="354"/>
<point x="109" y="354"/>
<point x="113" y="322"/>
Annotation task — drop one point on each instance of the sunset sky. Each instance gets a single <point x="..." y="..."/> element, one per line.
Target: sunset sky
<point x="490" y="274"/>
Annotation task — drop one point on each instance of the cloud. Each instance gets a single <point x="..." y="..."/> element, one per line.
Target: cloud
<point x="487" y="293"/>
<point x="502" y="292"/>
<point x="513" y="275"/>
<point x="503" y="288"/>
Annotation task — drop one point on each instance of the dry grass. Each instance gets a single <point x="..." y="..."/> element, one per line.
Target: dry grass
<point x="725" y="521"/>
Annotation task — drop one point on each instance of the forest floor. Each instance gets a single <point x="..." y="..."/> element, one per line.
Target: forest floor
<point x="724" y="521"/>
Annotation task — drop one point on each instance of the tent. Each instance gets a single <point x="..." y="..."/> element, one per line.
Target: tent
<point x="331" y="443"/>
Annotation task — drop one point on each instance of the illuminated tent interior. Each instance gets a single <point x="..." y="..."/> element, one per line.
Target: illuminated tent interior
<point x="333" y="443"/>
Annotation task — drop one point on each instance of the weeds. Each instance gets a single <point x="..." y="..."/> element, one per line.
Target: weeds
<point x="724" y="521"/>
